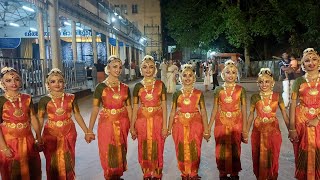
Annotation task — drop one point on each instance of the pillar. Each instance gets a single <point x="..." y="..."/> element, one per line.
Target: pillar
<point x="54" y="34"/>
<point x="74" y="41"/>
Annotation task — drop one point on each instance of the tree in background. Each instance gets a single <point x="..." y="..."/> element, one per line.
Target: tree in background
<point x="244" y="24"/>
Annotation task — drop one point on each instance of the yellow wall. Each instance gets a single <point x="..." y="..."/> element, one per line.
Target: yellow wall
<point x="148" y="21"/>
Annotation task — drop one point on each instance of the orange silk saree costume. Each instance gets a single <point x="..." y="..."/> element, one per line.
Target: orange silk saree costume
<point x="149" y="128"/>
<point x="59" y="136"/>
<point x="17" y="133"/>
<point x="113" y="128"/>
<point x="228" y="128"/>
<point x="307" y="150"/>
<point x="187" y="131"/>
<point x="266" y="136"/>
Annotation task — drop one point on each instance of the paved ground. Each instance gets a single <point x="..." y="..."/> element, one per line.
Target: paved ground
<point x="88" y="164"/>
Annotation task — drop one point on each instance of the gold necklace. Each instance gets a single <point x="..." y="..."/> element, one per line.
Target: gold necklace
<point x="228" y="99"/>
<point x="148" y="80"/>
<point x="313" y="91"/>
<point x="265" y="93"/>
<point x="59" y="111"/>
<point x="115" y="95"/>
<point x="149" y="96"/>
<point x="17" y="111"/>
<point x="266" y="109"/>
<point x="187" y="100"/>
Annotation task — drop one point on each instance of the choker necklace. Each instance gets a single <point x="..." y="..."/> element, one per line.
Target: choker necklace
<point x="149" y="96"/>
<point x="313" y="91"/>
<point x="148" y="80"/>
<point x="268" y="93"/>
<point x="266" y="109"/>
<point x="17" y="111"/>
<point x="115" y="95"/>
<point x="187" y="100"/>
<point x="228" y="99"/>
<point x="59" y="111"/>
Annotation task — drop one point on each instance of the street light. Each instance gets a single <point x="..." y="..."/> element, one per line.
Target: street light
<point x="27" y="8"/>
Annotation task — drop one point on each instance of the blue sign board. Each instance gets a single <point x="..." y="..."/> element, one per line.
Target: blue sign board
<point x="9" y="43"/>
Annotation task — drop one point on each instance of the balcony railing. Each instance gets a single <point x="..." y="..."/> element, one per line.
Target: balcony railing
<point x="33" y="74"/>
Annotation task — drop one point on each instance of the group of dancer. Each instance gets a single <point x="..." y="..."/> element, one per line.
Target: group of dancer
<point x="147" y="122"/>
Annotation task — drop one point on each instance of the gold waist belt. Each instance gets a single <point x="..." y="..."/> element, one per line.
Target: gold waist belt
<point x="59" y="123"/>
<point x="16" y="125"/>
<point x="230" y="114"/>
<point x="114" y="111"/>
<point x="151" y="109"/>
<point x="266" y="119"/>
<point x="187" y="114"/>
<point x="312" y="111"/>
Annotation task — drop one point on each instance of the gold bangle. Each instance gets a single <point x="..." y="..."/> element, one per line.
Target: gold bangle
<point x="5" y="149"/>
<point x="165" y="130"/>
<point x="245" y="133"/>
<point x="89" y="133"/>
<point x="292" y="130"/>
<point x="206" y="134"/>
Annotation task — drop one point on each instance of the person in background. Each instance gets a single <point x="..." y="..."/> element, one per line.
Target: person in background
<point x="171" y="77"/>
<point x="196" y="66"/>
<point x="100" y="71"/>
<point x="19" y="156"/>
<point x="114" y="120"/>
<point x="126" y="70"/>
<point x="163" y="67"/>
<point x="215" y="73"/>
<point x="133" y="70"/>
<point x="304" y="128"/>
<point x="206" y="72"/>
<point x="287" y="77"/>
<point x="59" y="132"/>
<point x="94" y="76"/>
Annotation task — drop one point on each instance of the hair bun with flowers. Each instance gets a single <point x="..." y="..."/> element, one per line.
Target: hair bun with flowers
<point x="186" y="66"/>
<point x="113" y="58"/>
<point x="148" y="57"/>
<point x="309" y="50"/>
<point x="6" y="69"/>
<point x="54" y="70"/>
<point x="229" y="62"/>
<point x="266" y="71"/>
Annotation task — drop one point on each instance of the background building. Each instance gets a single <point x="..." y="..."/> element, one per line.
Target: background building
<point x="146" y="16"/>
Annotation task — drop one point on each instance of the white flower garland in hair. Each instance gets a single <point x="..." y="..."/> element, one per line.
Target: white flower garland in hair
<point x="148" y="57"/>
<point x="6" y="69"/>
<point x="265" y="71"/>
<point x="229" y="62"/>
<point x="54" y="70"/>
<point x="309" y="50"/>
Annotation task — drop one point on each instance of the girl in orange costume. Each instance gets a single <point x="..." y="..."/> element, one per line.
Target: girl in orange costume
<point x="266" y="136"/>
<point x="149" y="121"/>
<point x="59" y="134"/>
<point x="19" y="158"/>
<point x="114" y="120"/>
<point x="230" y="113"/>
<point x="188" y="125"/>
<point x="304" y="126"/>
